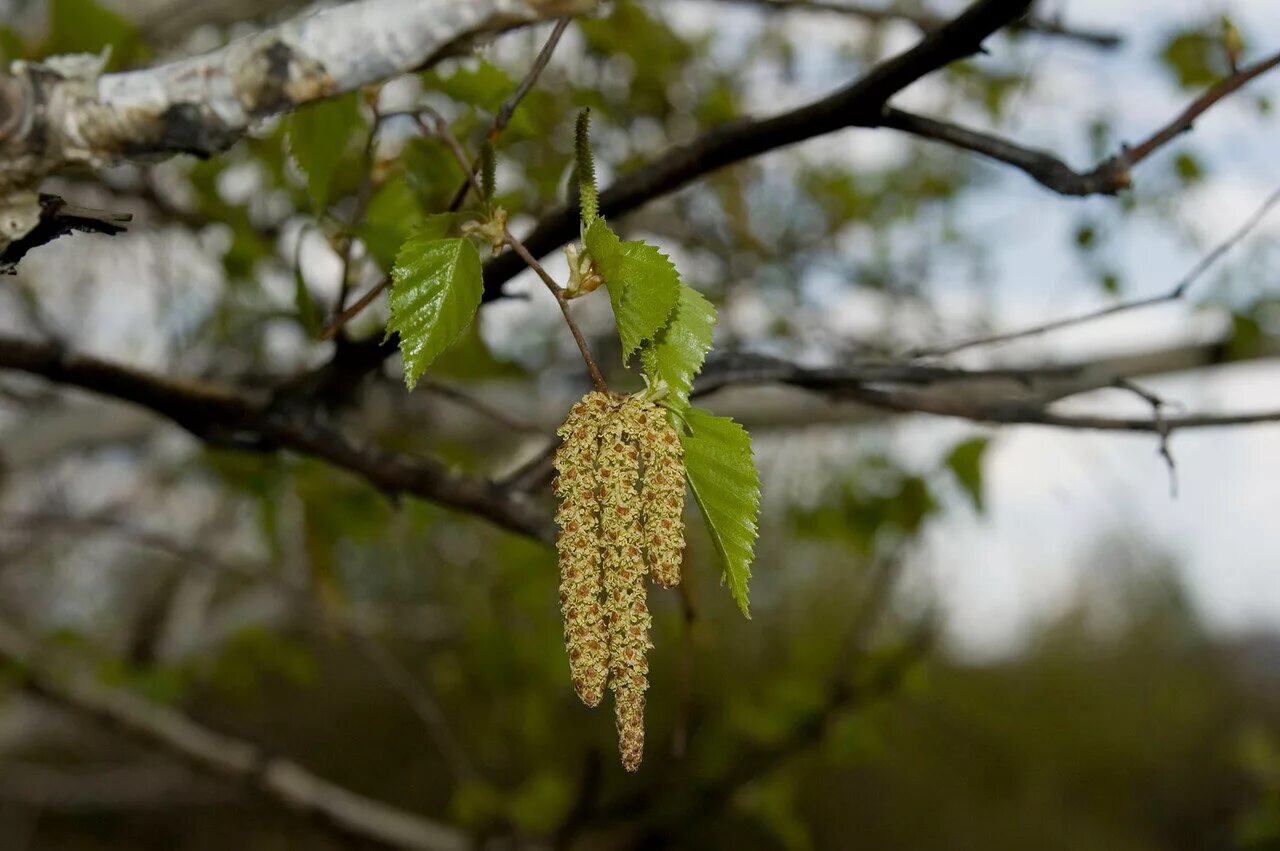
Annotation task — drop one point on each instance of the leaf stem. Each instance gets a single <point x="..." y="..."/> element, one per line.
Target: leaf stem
<point x="441" y="131"/>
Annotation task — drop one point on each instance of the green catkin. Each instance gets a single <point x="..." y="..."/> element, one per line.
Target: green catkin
<point x="488" y="170"/>
<point x="585" y="169"/>
<point x="626" y="606"/>
<point x="579" y="545"/>
<point x="662" y="491"/>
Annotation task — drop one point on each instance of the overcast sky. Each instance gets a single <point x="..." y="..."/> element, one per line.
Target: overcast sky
<point x="1054" y="494"/>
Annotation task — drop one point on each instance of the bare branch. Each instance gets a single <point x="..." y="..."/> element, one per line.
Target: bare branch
<point x="1175" y="293"/>
<point x="238" y="420"/>
<point x="859" y="104"/>
<point x="508" y="107"/>
<point x="1035" y="414"/>
<point x="927" y="22"/>
<point x="280" y="780"/>
<point x="1110" y="176"/>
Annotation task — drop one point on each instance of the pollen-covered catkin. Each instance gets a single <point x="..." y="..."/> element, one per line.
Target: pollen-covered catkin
<point x="626" y="607"/>
<point x="579" y="544"/>
<point x="662" y="491"/>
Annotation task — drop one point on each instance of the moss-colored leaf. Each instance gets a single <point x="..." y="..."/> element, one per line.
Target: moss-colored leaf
<point x="965" y="463"/>
<point x="643" y="284"/>
<point x="676" y="355"/>
<point x="722" y="473"/>
<point x="435" y="292"/>
<point x="1196" y="58"/>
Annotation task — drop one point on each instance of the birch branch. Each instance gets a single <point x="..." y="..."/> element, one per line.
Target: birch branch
<point x="63" y="112"/>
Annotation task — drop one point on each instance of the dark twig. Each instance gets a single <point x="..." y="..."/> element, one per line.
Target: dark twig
<point x="484" y="409"/>
<point x="1175" y="293"/>
<point x="363" y="196"/>
<point x="1162" y="428"/>
<point x="858" y="104"/>
<point x="1108" y="177"/>
<point x="926" y="22"/>
<point x="1012" y="413"/>
<point x="682" y="729"/>
<point x="1185" y="119"/>
<point x="508" y="108"/>
<point x="236" y="419"/>
<point x="354" y="309"/>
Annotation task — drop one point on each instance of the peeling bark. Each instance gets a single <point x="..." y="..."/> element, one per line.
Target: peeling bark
<point x="64" y="112"/>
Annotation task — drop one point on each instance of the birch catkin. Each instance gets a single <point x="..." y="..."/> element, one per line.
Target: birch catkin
<point x="662" y="497"/>
<point x="579" y="545"/>
<point x="621" y="495"/>
<point x="626" y="606"/>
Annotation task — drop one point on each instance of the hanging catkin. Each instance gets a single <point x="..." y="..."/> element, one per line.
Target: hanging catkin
<point x="662" y="494"/>
<point x="579" y="545"/>
<point x="621" y="493"/>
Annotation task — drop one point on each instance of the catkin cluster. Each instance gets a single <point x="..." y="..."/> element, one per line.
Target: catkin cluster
<point x="620" y="487"/>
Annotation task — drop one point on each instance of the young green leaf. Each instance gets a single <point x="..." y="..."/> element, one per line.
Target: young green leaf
<point x="722" y="473"/>
<point x="643" y="285"/>
<point x="318" y="136"/>
<point x="435" y="292"/>
<point x="676" y="355"/>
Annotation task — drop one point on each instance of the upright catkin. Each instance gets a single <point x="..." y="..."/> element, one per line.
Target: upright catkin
<point x="662" y="491"/>
<point x="626" y="606"/>
<point x="579" y="544"/>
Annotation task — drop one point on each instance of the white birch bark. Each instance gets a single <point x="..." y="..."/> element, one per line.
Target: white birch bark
<point x="62" y="112"/>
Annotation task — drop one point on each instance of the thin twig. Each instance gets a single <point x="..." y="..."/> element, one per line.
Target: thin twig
<point x="1037" y="414"/>
<point x="357" y="307"/>
<point x="1174" y="294"/>
<point x="363" y="196"/>
<point x="926" y="22"/>
<point x="1162" y="428"/>
<point x="500" y="122"/>
<point x="508" y="108"/>
<point x="1136" y="154"/>
<point x="484" y="409"/>
<point x="442" y="132"/>
<point x="1107" y="177"/>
